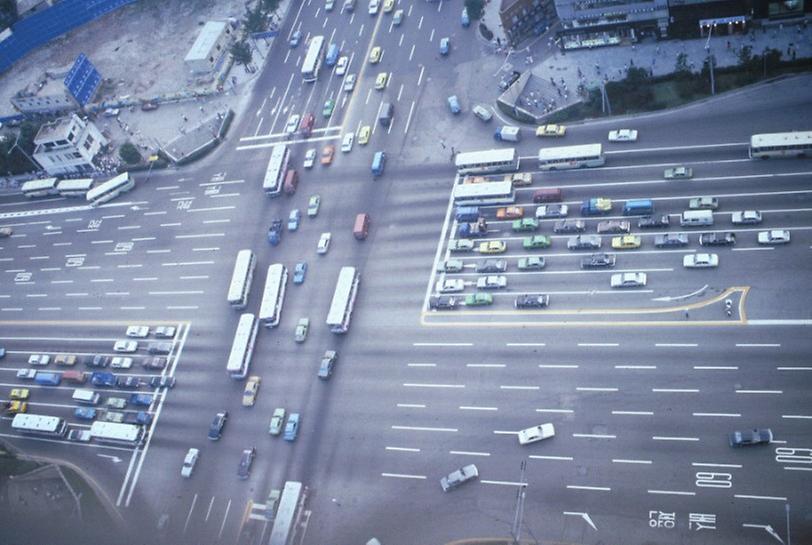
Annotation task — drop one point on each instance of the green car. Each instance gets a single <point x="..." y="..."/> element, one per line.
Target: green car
<point x="313" y="206"/>
<point x="531" y="263"/>
<point x="277" y="421"/>
<point x="478" y="299"/>
<point x="328" y="107"/>
<point x="525" y="224"/>
<point x="536" y="241"/>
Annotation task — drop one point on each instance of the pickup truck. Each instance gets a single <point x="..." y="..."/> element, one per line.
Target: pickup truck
<point x="470" y="230"/>
<point x="596" y="206"/>
<point x="275" y="232"/>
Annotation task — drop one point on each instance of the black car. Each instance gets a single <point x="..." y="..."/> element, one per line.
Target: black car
<point x="97" y="361"/>
<point x="275" y="232"/>
<point x="157" y="362"/>
<point x="652" y="222"/>
<point x="531" y="301"/>
<point x="598" y="261"/>
<point x="671" y="240"/>
<point x="246" y="460"/>
<point x="217" y="425"/>
<point x="717" y="239"/>
<point x="443" y="302"/>
<point x="492" y="266"/>
<point x="328" y="362"/>
<point x="159" y="348"/>
<point x="569" y="226"/>
<point x="162" y="382"/>
<point x="129" y="382"/>
<point x="750" y="437"/>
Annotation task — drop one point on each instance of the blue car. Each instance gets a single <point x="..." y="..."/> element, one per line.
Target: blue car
<point x="103" y="379"/>
<point x="464" y="19"/>
<point x="454" y="104"/>
<point x="293" y="219"/>
<point x="275" y="232"/>
<point x="85" y="413"/>
<point x="292" y="427"/>
<point x="144" y="400"/>
<point x="445" y="46"/>
<point x="295" y="38"/>
<point x="299" y="272"/>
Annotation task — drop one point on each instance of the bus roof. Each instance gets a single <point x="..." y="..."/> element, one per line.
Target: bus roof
<point x="273" y="286"/>
<point x="242" y="338"/>
<point x="275" y="163"/>
<point x="285" y="513"/>
<point x="485" y="156"/>
<point x="101" y="189"/>
<point x="781" y="139"/>
<point x="115" y="431"/>
<point x="43" y="183"/>
<point x="570" y="152"/>
<point x="241" y="267"/>
<point x="341" y="297"/>
<point x="484" y="189"/>
<point x="35" y="422"/>
<point x="79" y="183"/>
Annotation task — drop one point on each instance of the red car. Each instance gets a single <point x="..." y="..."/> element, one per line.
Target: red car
<point x="306" y="125"/>
<point x="327" y="154"/>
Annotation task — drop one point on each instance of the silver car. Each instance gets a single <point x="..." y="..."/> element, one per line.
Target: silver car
<point x="584" y="242"/>
<point x="458" y="477"/>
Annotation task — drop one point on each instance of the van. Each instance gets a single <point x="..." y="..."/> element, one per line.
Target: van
<point x="638" y="207"/>
<point x="387" y="111"/>
<point x="467" y="213"/>
<point x="361" y="228"/>
<point x="86" y="396"/>
<point x="550" y="194"/>
<point x="48" y="379"/>
<point x="378" y="163"/>
<point x="291" y="182"/>
<point x="332" y="55"/>
<point x="77" y="377"/>
<point x="696" y="218"/>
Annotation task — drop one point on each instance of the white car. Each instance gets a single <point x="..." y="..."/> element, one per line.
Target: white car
<point x="329" y="5"/>
<point x="121" y="362"/>
<point x="746" y="217"/>
<point x="623" y="135"/>
<point x="552" y="211"/>
<point x="292" y="124"/>
<point x="450" y="285"/>
<point x="324" y="243"/>
<point x="374" y="5"/>
<point x="138" y="331"/>
<point x="310" y="158"/>
<point x="483" y="113"/>
<point x="39" y="359"/>
<point x="128" y="347"/>
<point x="341" y="65"/>
<point x="189" y="462"/>
<point x="165" y="332"/>
<point x="628" y="280"/>
<point x="491" y="282"/>
<point x="346" y="143"/>
<point x="536" y="433"/>
<point x="774" y="236"/>
<point x="700" y="261"/>
<point x="349" y="82"/>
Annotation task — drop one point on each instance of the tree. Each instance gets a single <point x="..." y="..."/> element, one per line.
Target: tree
<point x="129" y="153"/>
<point x="681" y="67"/>
<point x="254" y="19"/>
<point x="241" y="52"/>
<point x="474" y="8"/>
<point x="270" y="5"/>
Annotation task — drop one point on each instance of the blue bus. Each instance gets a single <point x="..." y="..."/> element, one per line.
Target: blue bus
<point x="638" y="207"/>
<point x="378" y="163"/>
<point x="332" y="55"/>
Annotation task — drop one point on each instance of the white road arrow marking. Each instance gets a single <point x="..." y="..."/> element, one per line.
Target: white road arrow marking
<point x="115" y="459"/>
<point x="584" y="516"/>
<point x="678" y="297"/>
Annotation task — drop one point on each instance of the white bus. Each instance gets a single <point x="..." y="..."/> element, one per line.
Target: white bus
<point x="287" y="514"/>
<point x="110" y="189"/>
<point x="117" y="434"/>
<point x="312" y="60"/>
<point x="561" y="157"/>
<point x="239" y="359"/>
<point x="492" y="160"/>
<point x="338" y="318"/>
<point x="276" y="171"/>
<point x="39" y="188"/>
<point x="274" y="295"/>
<point x="74" y="188"/>
<point x="781" y="144"/>
<point x="35" y="424"/>
<point x="241" y="278"/>
<point x="483" y="194"/>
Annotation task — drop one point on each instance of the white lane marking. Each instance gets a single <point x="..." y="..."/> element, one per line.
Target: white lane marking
<point x="593" y="488"/>
<point x="594" y="389"/>
<point x="158" y="251"/>
<point x="201" y="235"/>
<point x="626" y="461"/>
<point x="411" y="405"/>
<point x="594" y="436"/>
<point x="796" y="416"/>
<point x="751" y="497"/>
<point x="779" y="322"/>
<point x="189" y="515"/>
<point x="716" y="367"/>
<point x="635" y="367"/>
<point x="556" y="458"/>
<point x="525" y="344"/>
<point x="633" y="413"/>
<point x="558" y="366"/>
<point x="487" y="365"/>
<point x="403" y="449"/>
<point x="508" y="387"/>
<point x="442" y="344"/>
<point x="471" y="408"/>
<point x="725" y="415"/>
<point x="759" y="391"/>
<point x="664" y="438"/>
<point x="502" y="483"/>
<point x="429" y="385"/>
<point x="561" y="411"/>
<point x="469" y="453"/>
<point x="793" y="368"/>
<point x="228" y="506"/>
<point x="420" y="76"/>
<point x="710" y="464"/>
<point x="403" y="476"/>
<point x="598" y="345"/>
<point x="758" y="345"/>
<point x="409" y="118"/>
<point x="676" y="390"/>
<point x="798" y="468"/>
<point x="421" y="365"/>
<point x="671" y="492"/>
<point x="423" y="428"/>
<point x="208" y="512"/>
<point x="676" y="345"/>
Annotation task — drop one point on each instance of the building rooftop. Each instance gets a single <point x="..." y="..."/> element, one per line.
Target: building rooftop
<point x="205" y="40"/>
<point x="55" y="130"/>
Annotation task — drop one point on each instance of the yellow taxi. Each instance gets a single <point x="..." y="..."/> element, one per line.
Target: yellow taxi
<point x="375" y="55"/>
<point x="510" y="213"/>
<point x="381" y="81"/>
<point x="16" y="407"/>
<point x="551" y="130"/>
<point x="492" y="247"/>
<point x="19" y="393"/>
<point x="363" y="134"/>
<point x="388" y="5"/>
<point x="626" y="242"/>
<point x="327" y="154"/>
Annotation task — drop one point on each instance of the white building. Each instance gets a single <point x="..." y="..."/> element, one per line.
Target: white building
<point x="209" y="47"/>
<point x="68" y="145"/>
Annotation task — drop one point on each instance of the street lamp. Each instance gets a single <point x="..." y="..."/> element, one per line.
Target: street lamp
<point x="710" y="59"/>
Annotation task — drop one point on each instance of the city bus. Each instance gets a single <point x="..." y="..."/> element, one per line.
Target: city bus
<point x="312" y="60"/>
<point x="74" y="188"/>
<point x="781" y="144"/>
<point x="35" y="424"/>
<point x="116" y="434"/>
<point x="110" y="189"/>
<point x="483" y="194"/>
<point x="492" y="160"/>
<point x="241" y="278"/>
<point x="39" y="188"/>
<point x="239" y="359"/>
<point x="338" y="318"/>
<point x="287" y="514"/>
<point x="561" y="157"/>
<point x="274" y="295"/>
<point x="277" y="170"/>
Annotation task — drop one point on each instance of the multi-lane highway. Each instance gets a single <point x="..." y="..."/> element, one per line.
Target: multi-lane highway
<point x="642" y="395"/>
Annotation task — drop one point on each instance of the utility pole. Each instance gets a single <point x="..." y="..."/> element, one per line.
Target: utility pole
<point x="789" y="539"/>
<point x="710" y="60"/>
<point x="518" y="517"/>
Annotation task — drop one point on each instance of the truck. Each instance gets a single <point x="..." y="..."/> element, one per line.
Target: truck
<point x="596" y="206"/>
<point x="507" y="133"/>
<point x="275" y="232"/>
<point x="48" y="379"/>
<point x="467" y="213"/>
<point x="470" y="230"/>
